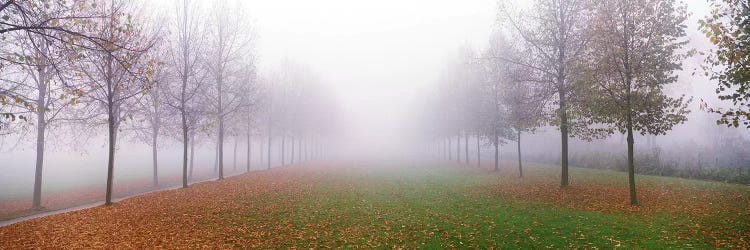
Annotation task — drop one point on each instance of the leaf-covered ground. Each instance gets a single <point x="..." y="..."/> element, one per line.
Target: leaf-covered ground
<point x="377" y="205"/>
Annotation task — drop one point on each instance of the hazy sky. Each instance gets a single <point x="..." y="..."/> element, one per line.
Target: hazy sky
<point x="377" y="55"/>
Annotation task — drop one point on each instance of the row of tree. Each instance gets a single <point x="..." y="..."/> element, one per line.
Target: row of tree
<point x="186" y="74"/>
<point x="590" y="68"/>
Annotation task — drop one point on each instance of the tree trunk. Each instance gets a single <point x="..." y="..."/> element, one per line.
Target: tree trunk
<point x="192" y="154"/>
<point x="631" y="160"/>
<point x="42" y="85"/>
<point x="234" y="155"/>
<point x="186" y="140"/>
<point x="283" y="142"/>
<point x="561" y="88"/>
<point x="269" y="149"/>
<point x="154" y="155"/>
<point x="497" y="154"/>
<point x="112" y="129"/>
<point x="299" y="147"/>
<point x="221" y="149"/>
<point x="40" y="131"/>
<point x="458" y="147"/>
<point x="249" y="151"/>
<point x="220" y="113"/>
<point x="520" y="166"/>
<point x="450" y="148"/>
<point x="564" y="140"/>
<point x="291" y="158"/>
<point x="216" y="156"/>
<point x="466" y="147"/>
<point x="479" y="151"/>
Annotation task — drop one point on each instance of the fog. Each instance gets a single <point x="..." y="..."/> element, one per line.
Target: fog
<point x="377" y="64"/>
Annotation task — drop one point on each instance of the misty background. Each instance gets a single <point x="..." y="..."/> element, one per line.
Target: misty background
<point x="381" y="60"/>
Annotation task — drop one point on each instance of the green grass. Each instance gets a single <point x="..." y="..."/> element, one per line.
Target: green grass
<point x="441" y="208"/>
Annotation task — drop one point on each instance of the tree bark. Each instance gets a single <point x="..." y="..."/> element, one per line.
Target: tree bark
<point x="112" y="130"/>
<point x="561" y="88"/>
<point x="299" y="147"/>
<point x="41" y="128"/>
<point x="183" y="103"/>
<point x="497" y="154"/>
<point x="186" y="140"/>
<point x="234" y="155"/>
<point x="283" y="141"/>
<point x="40" y="132"/>
<point x="262" y="151"/>
<point x="564" y="140"/>
<point x="466" y="147"/>
<point x="479" y="151"/>
<point x="450" y="148"/>
<point x="458" y="147"/>
<point x="291" y="160"/>
<point x="520" y="166"/>
<point x="631" y="160"/>
<point x="192" y="154"/>
<point x="249" y="151"/>
<point x="155" y="154"/>
<point x="216" y="155"/>
<point x="269" y="149"/>
<point x="629" y="110"/>
<point x="221" y="149"/>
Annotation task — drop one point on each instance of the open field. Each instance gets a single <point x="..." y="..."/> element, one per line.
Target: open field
<point x="426" y="205"/>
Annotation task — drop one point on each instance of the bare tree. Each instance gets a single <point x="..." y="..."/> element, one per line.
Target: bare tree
<point x="522" y="96"/>
<point x="38" y="85"/>
<point x="230" y="41"/>
<point x="187" y="48"/>
<point x="116" y="75"/>
<point x="150" y="115"/>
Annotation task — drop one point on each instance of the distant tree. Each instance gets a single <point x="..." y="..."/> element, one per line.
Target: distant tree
<point x="184" y="93"/>
<point x="634" y="53"/>
<point x="150" y="114"/>
<point x="253" y="99"/>
<point x="552" y="32"/>
<point x="230" y="41"/>
<point x="728" y="28"/>
<point x="496" y="125"/>
<point x="522" y="97"/>
<point x="455" y="109"/>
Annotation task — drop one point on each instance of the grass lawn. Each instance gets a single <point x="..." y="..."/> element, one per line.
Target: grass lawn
<point x="377" y="205"/>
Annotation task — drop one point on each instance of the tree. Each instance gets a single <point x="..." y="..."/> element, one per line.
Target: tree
<point x="252" y="99"/>
<point x="494" y="116"/>
<point x="43" y="69"/>
<point x="185" y="59"/>
<point x="552" y="31"/>
<point x="522" y="97"/>
<point x="49" y="39"/>
<point x="54" y="24"/>
<point x="230" y="41"/>
<point x="728" y="28"/>
<point x="116" y="75"/>
<point x="634" y="53"/>
<point x="152" y="115"/>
